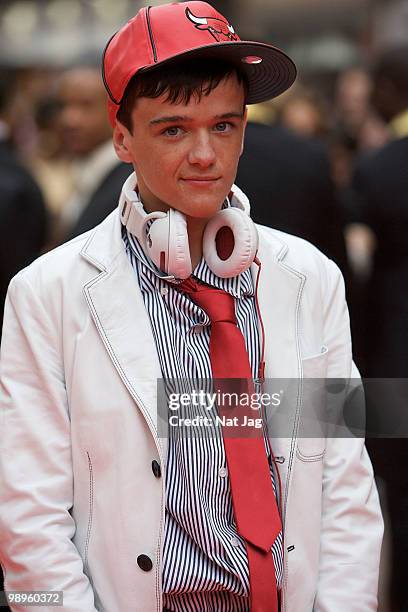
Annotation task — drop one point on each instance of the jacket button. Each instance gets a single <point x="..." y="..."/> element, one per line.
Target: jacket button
<point x="145" y="563"/>
<point x="156" y="468"/>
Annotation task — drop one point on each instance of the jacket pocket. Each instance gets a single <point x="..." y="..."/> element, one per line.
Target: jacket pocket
<point x="312" y="428"/>
<point x="315" y="366"/>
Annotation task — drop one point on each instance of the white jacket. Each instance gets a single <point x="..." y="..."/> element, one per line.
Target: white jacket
<point x="78" y="499"/>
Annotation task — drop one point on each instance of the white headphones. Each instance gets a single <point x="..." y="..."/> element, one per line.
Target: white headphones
<point x="166" y="240"/>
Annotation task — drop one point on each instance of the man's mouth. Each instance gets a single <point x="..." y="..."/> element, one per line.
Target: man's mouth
<point x="201" y="179"/>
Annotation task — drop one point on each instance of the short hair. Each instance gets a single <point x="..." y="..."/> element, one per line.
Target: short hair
<point x="180" y="81"/>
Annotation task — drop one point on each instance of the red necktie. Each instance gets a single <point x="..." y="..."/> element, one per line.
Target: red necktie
<point x="254" y="502"/>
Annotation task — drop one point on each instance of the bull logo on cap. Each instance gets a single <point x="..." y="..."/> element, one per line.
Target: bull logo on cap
<point x="219" y="29"/>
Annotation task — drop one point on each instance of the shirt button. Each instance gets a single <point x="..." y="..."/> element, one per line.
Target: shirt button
<point x="164" y="291"/>
<point x="156" y="468"/>
<point x="198" y="329"/>
<point x="144" y="562"/>
<point x="222" y="472"/>
<point x="235" y="542"/>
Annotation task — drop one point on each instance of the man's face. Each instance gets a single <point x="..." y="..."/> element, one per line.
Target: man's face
<point x="83" y="118"/>
<point x="186" y="155"/>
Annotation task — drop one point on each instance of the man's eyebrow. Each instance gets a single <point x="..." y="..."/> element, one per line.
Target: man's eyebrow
<point x="170" y="119"/>
<point x="230" y="116"/>
<point x="176" y="118"/>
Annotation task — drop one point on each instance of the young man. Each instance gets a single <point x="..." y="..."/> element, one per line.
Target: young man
<point x="94" y="502"/>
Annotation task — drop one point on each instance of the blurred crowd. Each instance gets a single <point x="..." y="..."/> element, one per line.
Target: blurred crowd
<point x="327" y="163"/>
<point x="306" y="167"/>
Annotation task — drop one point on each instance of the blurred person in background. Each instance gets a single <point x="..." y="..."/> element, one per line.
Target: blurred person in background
<point x="287" y="178"/>
<point x="305" y="114"/>
<point x="352" y="100"/>
<point x="98" y="175"/>
<point x="49" y="162"/>
<point x="380" y="185"/>
<point x="355" y="127"/>
<point x="23" y="217"/>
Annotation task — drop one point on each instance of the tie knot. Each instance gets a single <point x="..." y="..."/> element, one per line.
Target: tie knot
<point x="218" y="304"/>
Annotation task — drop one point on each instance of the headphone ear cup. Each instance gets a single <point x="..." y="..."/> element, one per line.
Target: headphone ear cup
<point x="167" y="245"/>
<point x="245" y="242"/>
<point x="157" y="243"/>
<point x="179" y="259"/>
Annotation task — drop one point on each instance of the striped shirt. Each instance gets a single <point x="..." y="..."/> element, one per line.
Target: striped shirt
<point x="205" y="565"/>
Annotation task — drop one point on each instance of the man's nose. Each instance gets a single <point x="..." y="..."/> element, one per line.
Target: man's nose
<point x="202" y="152"/>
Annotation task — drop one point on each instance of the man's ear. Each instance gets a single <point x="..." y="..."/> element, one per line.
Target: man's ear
<point x="121" y="138"/>
<point x="243" y="132"/>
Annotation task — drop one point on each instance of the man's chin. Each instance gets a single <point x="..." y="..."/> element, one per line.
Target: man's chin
<point x="202" y="207"/>
<point x="203" y="211"/>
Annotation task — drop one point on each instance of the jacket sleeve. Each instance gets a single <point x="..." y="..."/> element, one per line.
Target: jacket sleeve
<point x="36" y="493"/>
<point x="352" y="525"/>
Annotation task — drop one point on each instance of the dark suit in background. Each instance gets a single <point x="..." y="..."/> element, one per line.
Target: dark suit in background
<point x="288" y="182"/>
<point x="380" y="185"/>
<point x="23" y="219"/>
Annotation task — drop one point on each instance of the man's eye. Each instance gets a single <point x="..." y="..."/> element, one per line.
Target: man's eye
<point x="224" y="126"/>
<point x="172" y="131"/>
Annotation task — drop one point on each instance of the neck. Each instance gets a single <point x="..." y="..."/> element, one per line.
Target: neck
<point x="195" y="229"/>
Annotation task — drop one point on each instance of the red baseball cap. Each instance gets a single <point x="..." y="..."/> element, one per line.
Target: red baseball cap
<point x="162" y="34"/>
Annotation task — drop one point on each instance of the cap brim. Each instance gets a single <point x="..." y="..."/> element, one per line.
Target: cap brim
<point x="267" y="78"/>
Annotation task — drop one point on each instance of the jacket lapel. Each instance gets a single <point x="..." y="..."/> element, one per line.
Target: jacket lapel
<point x="120" y="316"/>
<point x="279" y="295"/>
